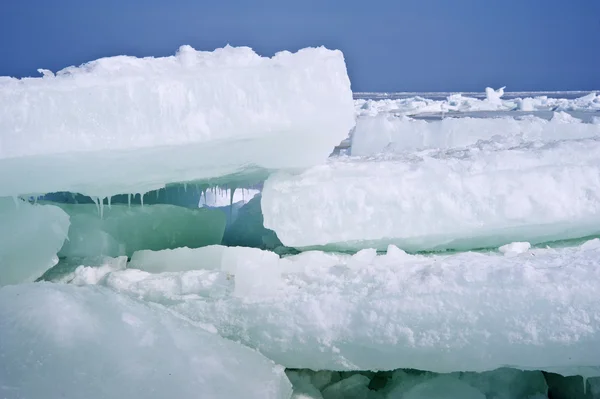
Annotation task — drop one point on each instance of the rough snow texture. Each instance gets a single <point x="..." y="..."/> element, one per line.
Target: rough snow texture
<point x="470" y="311"/>
<point x="30" y="237"/>
<point x="88" y="342"/>
<point x="122" y="230"/>
<point x="195" y="115"/>
<point x="392" y="133"/>
<point x="483" y="195"/>
<point x="455" y="103"/>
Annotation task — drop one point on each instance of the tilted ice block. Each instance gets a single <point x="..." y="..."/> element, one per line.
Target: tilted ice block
<point x="130" y="125"/>
<point x="392" y="133"/>
<point x="463" y="312"/>
<point x="30" y="237"/>
<point x="481" y="196"/>
<point x="88" y="342"/>
<point x="122" y="230"/>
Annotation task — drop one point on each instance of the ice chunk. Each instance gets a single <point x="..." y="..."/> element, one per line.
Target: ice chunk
<point x="122" y="230"/>
<point x="387" y="132"/>
<point x="442" y="387"/>
<point x="193" y="116"/>
<point x="88" y="342"/>
<point x="86" y="275"/>
<point x="494" y="96"/>
<point x="565" y="387"/>
<point x="475" y="197"/>
<point x="443" y="313"/>
<point x="303" y="387"/>
<point x="30" y="237"/>
<point x="256" y="272"/>
<point x="353" y="387"/>
<point x="515" y="248"/>
<point x="506" y="383"/>
<point x="212" y="257"/>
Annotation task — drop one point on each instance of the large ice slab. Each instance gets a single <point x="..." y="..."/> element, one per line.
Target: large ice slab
<point x="129" y="125"/>
<point x="88" y="342"/>
<point x="480" y="196"/>
<point x="391" y="133"/>
<point x="537" y="310"/>
<point x="30" y="237"/>
<point x="121" y="230"/>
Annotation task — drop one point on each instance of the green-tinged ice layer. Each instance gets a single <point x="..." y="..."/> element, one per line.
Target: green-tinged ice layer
<point x="122" y="230"/>
<point x="30" y="237"/>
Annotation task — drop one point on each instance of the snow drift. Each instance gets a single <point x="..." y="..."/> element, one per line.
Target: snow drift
<point x="533" y="310"/>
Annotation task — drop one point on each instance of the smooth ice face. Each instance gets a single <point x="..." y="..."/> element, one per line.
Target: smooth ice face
<point x="391" y="133"/>
<point x="122" y="230"/>
<point x="480" y="196"/>
<point x="89" y="342"/>
<point x="193" y="116"/>
<point x="30" y="237"/>
<point x="537" y="310"/>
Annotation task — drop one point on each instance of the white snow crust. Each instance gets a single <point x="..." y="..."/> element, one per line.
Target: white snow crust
<point x="537" y="310"/>
<point x="479" y="196"/>
<point x="463" y="103"/>
<point x="60" y="340"/>
<point x="196" y="115"/>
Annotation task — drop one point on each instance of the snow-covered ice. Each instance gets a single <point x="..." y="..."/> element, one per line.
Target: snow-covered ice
<point x="491" y="100"/>
<point x="60" y="340"/>
<point x="182" y="318"/>
<point x="391" y="133"/>
<point x="30" y="238"/>
<point x="121" y="230"/>
<point x="469" y="311"/>
<point x="193" y="116"/>
<point x="484" y="195"/>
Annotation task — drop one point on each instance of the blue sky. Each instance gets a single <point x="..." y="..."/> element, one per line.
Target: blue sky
<point x="402" y="45"/>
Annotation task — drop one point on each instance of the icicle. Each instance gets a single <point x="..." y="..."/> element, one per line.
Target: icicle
<point x="201" y="194"/>
<point x="185" y="187"/>
<point x="109" y="201"/>
<point x="16" y="200"/>
<point x="231" y="193"/>
<point x="584" y="384"/>
<point x="101" y="208"/>
<point x="142" y="199"/>
<point x="95" y="199"/>
<point x="129" y="200"/>
<point x="35" y="199"/>
<point x="158" y="192"/>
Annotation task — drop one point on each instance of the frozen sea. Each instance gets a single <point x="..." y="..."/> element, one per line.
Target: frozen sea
<point x="165" y="234"/>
